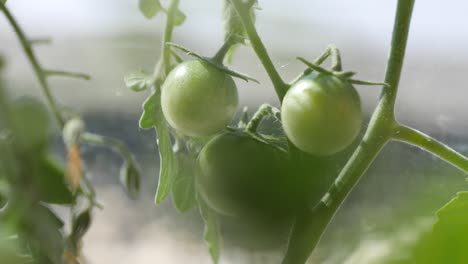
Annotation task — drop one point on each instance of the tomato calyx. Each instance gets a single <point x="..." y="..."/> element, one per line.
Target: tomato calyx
<point x="343" y="75"/>
<point x="214" y="62"/>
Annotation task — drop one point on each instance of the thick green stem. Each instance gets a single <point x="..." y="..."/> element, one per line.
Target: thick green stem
<point x="243" y="10"/>
<point x="417" y="138"/>
<point x="42" y="78"/>
<point x="310" y="225"/>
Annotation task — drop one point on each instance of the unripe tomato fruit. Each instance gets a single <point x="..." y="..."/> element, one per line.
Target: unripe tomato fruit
<point x="321" y="114"/>
<point x="198" y="99"/>
<point x="241" y="176"/>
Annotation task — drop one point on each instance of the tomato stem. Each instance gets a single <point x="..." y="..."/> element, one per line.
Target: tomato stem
<point x="221" y="53"/>
<point x="38" y="70"/>
<point x="243" y="10"/>
<point x="336" y="58"/>
<point x="417" y="138"/>
<point x="165" y="62"/>
<point x="42" y="75"/>
<point x="263" y="111"/>
<point x="310" y="225"/>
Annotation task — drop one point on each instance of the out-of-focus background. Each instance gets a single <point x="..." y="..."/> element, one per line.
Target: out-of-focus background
<point x="393" y="204"/>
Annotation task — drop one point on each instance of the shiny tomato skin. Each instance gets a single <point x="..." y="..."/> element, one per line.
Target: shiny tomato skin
<point x="198" y="99"/>
<point x="241" y="176"/>
<point x="321" y="114"/>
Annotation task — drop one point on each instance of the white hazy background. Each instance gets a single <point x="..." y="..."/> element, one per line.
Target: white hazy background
<point x="110" y="38"/>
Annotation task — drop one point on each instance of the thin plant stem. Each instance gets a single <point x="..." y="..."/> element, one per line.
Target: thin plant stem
<point x="38" y="70"/>
<point x="113" y="143"/>
<point x="417" y="138"/>
<point x="168" y="31"/>
<point x="242" y="9"/>
<point x="67" y="74"/>
<point x="263" y="111"/>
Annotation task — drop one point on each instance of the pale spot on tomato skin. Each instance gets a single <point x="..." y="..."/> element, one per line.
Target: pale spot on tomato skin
<point x="181" y="71"/>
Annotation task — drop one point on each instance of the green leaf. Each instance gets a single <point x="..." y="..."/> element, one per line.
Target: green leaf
<point x="449" y="237"/>
<point x="51" y="183"/>
<point x="183" y="190"/>
<point x="130" y="179"/>
<point x="150" y="8"/>
<point x="40" y="229"/>
<point x="179" y="17"/>
<point x="153" y="117"/>
<point x="211" y="233"/>
<point x="184" y="193"/>
<point x="234" y="29"/>
<point x="80" y="224"/>
<point x="457" y="205"/>
<point x="3" y="2"/>
<point x="137" y="81"/>
<point x="30" y="124"/>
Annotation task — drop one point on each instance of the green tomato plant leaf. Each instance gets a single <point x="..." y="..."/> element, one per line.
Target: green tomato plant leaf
<point x="30" y="124"/>
<point x="211" y="233"/>
<point x="51" y="183"/>
<point x="234" y="29"/>
<point x="130" y="179"/>
<point x="41" y="230"/>
<point x="153" y="117"/>
<point x="447" y="241"/>
<point x="137" y="81"/>
<point x="450" y="232"/>
<point x="150" y="8"/>
<point x="183" y="190"/>
<point x="184" y="193"/>
<point x="81" y="222"/>
<point x="179" y="17"/>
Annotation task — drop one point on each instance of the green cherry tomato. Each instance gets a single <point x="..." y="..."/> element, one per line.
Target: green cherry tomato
<point x="241" y="176"/>
<point x="198" y="99"/>
<point x="322" y="114"/>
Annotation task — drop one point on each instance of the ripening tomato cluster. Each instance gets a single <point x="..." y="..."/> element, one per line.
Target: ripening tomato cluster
<point x="240" y="175"/>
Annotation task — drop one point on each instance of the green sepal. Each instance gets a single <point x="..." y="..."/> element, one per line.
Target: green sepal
<point x="213" y="63"/>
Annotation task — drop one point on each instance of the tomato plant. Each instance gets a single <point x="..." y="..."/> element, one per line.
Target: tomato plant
<point x="198" y="99"/>
<point x="322" y="114"/>
<point x="280" y="184"/>
<point x="31" y="181"/>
